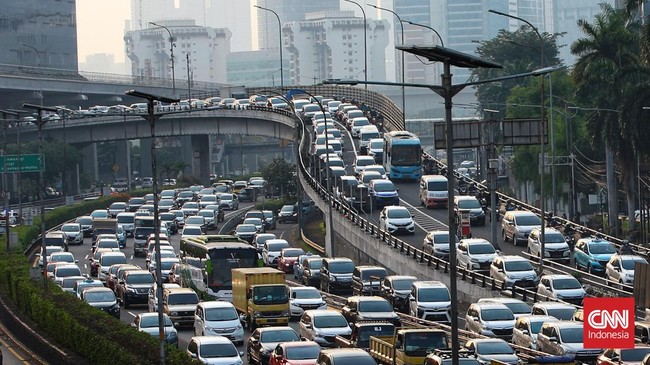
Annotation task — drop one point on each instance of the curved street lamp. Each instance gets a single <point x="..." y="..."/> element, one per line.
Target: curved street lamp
<point x="171" y="51"/>
<point x="365" y="41"/>
<point x="280" y="45"/>
<point x="428" y="27"/>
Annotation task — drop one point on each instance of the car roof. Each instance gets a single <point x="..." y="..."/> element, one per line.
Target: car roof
<point x="216" y="304"/>
<point x="537" y="318"/>
<point x="566" y="324"/>
<point x="500" y="300"/>
<point x="430" y="284"/>
<point x="557" y="276"/>
<point x="465" y="197"/>
<point x="278" y="328"/>
<point x="547" y="304"/>
<point x="205" y="340"/>
<point x="512" y="258"/>
<point x="322" y="312"/>
<point x="490" y="305"/>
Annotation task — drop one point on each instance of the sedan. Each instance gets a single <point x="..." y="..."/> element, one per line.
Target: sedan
<point x="295" y="353"/>
<point x="263" y="341"/>
<point x="73" y="233"/>
<point x="246" y="232"/>
<point x="148" y="323"/>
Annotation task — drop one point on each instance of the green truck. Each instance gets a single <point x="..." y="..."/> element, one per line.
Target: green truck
<point x="261" y="295"/>
<point x="407" y="346"/>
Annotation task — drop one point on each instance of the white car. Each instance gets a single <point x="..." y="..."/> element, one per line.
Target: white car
<point x="214" y="350"/>
<point x="73" y="233"/>
<point x="361" y="162"/>
<point x="475" y="254"/>
<point x="555" y="246"/>
<point x="272" y="249"/>
<point x="228" y="201"/>
<point x="526" y="329"/>
<point x="148" y="323"/>
<point x="620" y="268"/>
<point x="217" y="318"/>
<point x="430" y="300"/>
<point x="513" y="270"/>
<point x="304" y="298"/>
<point x="356" y="125"/>
<point x="490" y="319"/>
<point x="563" y="287"/>
<point x="321" y="326"/>
<point x="191" y="232"/>
<point x="396" y="219"/>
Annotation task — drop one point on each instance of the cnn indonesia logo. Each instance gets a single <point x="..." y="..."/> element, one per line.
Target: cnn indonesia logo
<point x="609" y="323"/>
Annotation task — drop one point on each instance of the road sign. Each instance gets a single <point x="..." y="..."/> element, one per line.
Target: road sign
<point x="28" y="163"/>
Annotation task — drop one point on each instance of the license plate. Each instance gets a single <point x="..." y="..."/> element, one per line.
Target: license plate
<point x="271" y="320"/>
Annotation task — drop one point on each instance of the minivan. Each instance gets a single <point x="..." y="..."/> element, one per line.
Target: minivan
<point x="433" y="191"/>
<point x="517" y="224"/>
<point x="365" y="135"/>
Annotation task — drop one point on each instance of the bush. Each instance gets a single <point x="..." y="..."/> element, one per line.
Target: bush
<point x="275" y="204"/>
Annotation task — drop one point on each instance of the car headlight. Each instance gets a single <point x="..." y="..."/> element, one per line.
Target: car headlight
<point x="566" y="253"/>
<point x="547" y="254"/>
<point x="473" y="259"/>
<point x="172" y="334"/>
<point x="174" y="313"/>
<point x="332" y="279"/>
<point x="238" y="327"/>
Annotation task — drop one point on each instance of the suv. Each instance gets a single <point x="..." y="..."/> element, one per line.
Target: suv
<point x="517" y="224"/>
<point x="559" y="310"/>
<point x="134" y="287"/>
<point x="430" y="300"/>
<point x="322" y="326"/>
<point x="526" y="329"/>
<point x="490" y="319"/>
<point x="103" y="299"/>
<point x="367" y="279"/>
<point x="469" y="205"/>
<point x="475" y="254"/>
<point x="311" y="271"/>
<point x="565" y="338"/>
<point x="120" y="184"/>
<point x="336" y="274"/>
<point x="218" y="318"/>
<point x="562" y="287"/>
<point x="436" y="243"/>
<point x="396" y="289"/>
<point x="56" y="238"/>
<point x="395" y="219"/>
<point x="513" y="270"/>
<point x="383" y="192"/>
<point x="555" y="246"/>
<point x="369" y="309"/>
<point x="180" y="304"/>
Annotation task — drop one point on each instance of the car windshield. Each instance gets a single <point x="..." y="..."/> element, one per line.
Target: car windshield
<point x="221" y="314"/>
<point x="342" y="267"/>
<point x="140" y="279"/>
<point x="628" y="264"/>
<point x="167" y="265"/>
<point x="398" y="213"/>
<point x="274" y="294"/>
<point x="568" y="283"/>
<point x="518" y="308"/>
<point x="69" y="283"/>
<point x="554" y="238"/>
<point x="481" y="249"/>
<point x="280" y="335"/>
<point x="433" y="295"/>
<point x="108" y="244"/>
<point x="294" y="252"/>
<point x="634" y="354"/>
<point x="276" y="247"/>
<point x="315" y="264"/>
<point x="225" y="197"/>
<point x="302" y="352"/>
<point x="112" y="260"/>
<point x="192" y="231"/>
<point x="253" y="221"/>
<point x="195" y="220"/>
<point x="565" y="314"/>
<point x="402" y="284"/>
<point x="469" y="204"/>
<point x="246" y="228"/>
<point x="125" y="218"/>
<point x="493" y="348"/>
<point x="307" y="294"/>
<point x="117" y="206"/>
<point x="601" y="248"/>
<point x="136" y="201"/>
<point x="373" y="273"/>
<point x="374" y="306"/>
<point x="99" y="296"/>
<point x="207" y="213"/>
<point x="497" y="314"/>
<point x="70" y="228"/>
<point x="422" y="343"/>
<point x="528" y="220"/>
<point x="167" y="216"/>
<point x="214" y="350"/>
<point x="152" y="321"/>
<point x="287" y="208"/>
<point x="330" y="321"/>
<point x="68" y="271"/>
<point x="182" y="298"/>
<point x="166" y="203"/>
<point x="571" y="334"/>
<point x="519" y="265"/>
<point x="186" y="194"/>
<point x="62" y="257"/>
<point x="85" y="221"/>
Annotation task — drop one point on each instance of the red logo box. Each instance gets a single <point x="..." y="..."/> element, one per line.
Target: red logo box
<point x="609" y="323"/>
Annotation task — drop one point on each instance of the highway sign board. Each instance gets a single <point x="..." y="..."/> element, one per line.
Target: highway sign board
<point x="28" y="163"/>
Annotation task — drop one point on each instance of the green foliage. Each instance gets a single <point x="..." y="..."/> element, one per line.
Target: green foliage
<point x="87" y="331"/>
<point x="275" y="204"/>
<point x="280" y="176"/>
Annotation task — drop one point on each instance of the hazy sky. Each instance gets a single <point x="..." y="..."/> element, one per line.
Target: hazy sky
<point x="100" y="27"/>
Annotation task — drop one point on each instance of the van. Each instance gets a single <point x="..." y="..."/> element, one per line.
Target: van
<point x="365" y="135"/>
<point x="433" y="191"/>
<point x="56" y="238"/>
<point x="517" y="225"/>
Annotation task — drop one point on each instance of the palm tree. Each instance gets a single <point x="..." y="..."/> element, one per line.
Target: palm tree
<point x="180" y="167"/>
<point x="608" y="72"/>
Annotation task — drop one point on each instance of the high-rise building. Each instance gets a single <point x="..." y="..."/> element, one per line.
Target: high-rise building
<point x="331" y="45"/>
<point x="39" y="33"/>
<point x="234" y="15"/>
<point x="288" y="11"/>
<point x="150" y="52"/>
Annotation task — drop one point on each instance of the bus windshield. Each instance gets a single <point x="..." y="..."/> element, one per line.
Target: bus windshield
<point x="225" y="259"/>
<point x="405" y="155"/>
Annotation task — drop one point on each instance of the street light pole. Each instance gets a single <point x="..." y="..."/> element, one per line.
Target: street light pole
<point x="280" y="34"/>
<point x="41" y="179"/>
<point x="403" y="66"/>
<point x="38" y="56"/>
<point x="365" y="41"/>
<point x="19" y="173"/>
<point x="542" y="204"/>
<point x="5" y="113"/>
<point x="171" y="51"/>
<point x="442" y="43"/>
<point x="151" y="118"/>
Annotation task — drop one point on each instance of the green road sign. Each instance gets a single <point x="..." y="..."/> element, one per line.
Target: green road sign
<point x="28" y="163"/>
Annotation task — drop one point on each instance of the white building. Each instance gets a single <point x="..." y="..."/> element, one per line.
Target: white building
<point x="331" y="45"/>
<point x="208" y="49"/>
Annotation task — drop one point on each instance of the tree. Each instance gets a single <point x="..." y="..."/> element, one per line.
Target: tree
<point x="281" y="176"/>
<point x="609" y="74"/>
<point x="517" y="52"/>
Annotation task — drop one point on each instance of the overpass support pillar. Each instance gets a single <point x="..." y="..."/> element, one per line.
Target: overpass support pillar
<point x="145" y="157"/>
<point x="90" y="163"/>
<point x="121" y="166"/>
<point x="201" y="158"/>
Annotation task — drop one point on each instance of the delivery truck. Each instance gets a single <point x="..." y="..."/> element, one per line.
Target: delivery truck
<point x="261" y="296"/>
<point x="407" y="346"/>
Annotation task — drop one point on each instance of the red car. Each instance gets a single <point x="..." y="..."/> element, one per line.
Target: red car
<point x="288" y="257"/>
<point x="295" y="353"/>
<point x="94" y="261"/>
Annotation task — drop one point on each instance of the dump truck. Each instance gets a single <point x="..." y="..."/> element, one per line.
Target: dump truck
<point x="361" y="333"/>
<point x="261" y="296"/>
<point x="104" y="226"/>
<point x="407" y="346"/>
